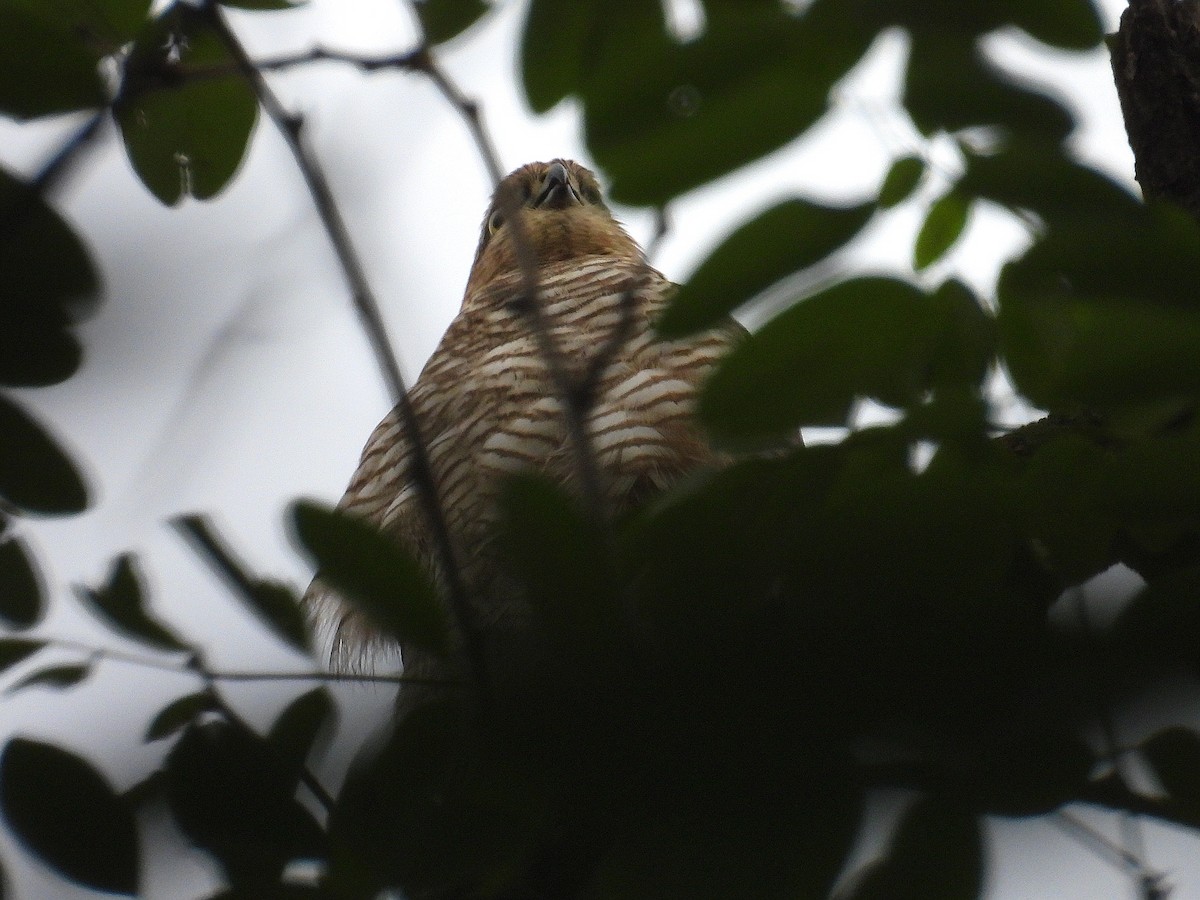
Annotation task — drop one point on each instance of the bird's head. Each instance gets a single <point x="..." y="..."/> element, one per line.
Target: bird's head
<point x="551" y="211"/>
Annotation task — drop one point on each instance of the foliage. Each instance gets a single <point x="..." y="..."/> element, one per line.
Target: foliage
<point x="695" y="722"/>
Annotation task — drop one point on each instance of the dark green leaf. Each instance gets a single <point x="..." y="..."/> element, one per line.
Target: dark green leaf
<point x="936" y="851"/>
<point x="273" y="604"/>
<point x="57" y="677"/>
<point x="965" y="347"/>
<point x="650" y="104"/>
<point x="35" y="474"/>
<point x="558" y="559"/>
<point x="943" y="226"/>
<point x="179" y="713"/>
<point x="121" y="603"/>
<point x="868" y="337"/>
<point x="298" y="727"/>
<point x="1070" y="24"/>
<point x="184" y="137"/>
<point x="21" y="603"/>
<point x="63" y="811"/>
<point x="374" y="572"/>
<point x="553" y="44"/>
<point x="1065" y="352"/>
<point x="233" y="796"/>
<point x="902" y="179"/>
<point x="13" y="650"/>
<point x="942" y="61"/>
<point x="780" y="241"/>
<point x="1174" y="754"/>
<point x="445" y="19"/>
<point x="49" y="282"/>
<point x="44" y="69"/>
<point x="101" y="26"/>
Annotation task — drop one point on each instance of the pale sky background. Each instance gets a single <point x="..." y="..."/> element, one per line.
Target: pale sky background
<point x="226" y="372"/>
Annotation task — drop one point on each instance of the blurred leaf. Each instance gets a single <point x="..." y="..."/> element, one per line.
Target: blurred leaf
<point x="442" y="20"/>
<point x="177" y="714"/>
<point x="558" y="558"/>
<point x="273" y="604"/>
<point x="784" y="239"/>
<point x="1104" y="354"/>
<point x="902" y="179"/>
<point x="944" y="59"/>
<point x="1030" y="772"/>
<point x="1174" y="754"/>
<point x="373" y="572"/>
<point x="184" y="136"/>
<point x="13" y="650"/>
<point x="233" y="796"/>
<point x="936" y="851"/>
<point x="56" y="677"/>
<point x="1070" y="24"/>
<point x="965" y="345"/>
<point x="35" y="474"/>
<point x="650" y="105"/>
<point x="63" y="811"/>
<point x="44" y="69"/>
<point x="48" y="282"/>
<point x="553" y="41"/>
<point x="869" y="337"/>
<point x="121" y="604"/>
<point x="101" y="26"/>
<point x="21" y="601"/>
<point x="944" y="224"/>
<point x="296" y="730"/>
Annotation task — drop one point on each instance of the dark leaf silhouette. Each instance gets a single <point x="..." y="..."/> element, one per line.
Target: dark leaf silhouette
<point x="21" y="602"/>
<point x="121" y="602"/>
<point x="35" y="474"/>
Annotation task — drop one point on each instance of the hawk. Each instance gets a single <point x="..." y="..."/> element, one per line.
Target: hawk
<point x="488" y="405"/>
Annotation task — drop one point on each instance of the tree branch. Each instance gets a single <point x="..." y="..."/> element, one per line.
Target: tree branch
<point x="290" y="126"/>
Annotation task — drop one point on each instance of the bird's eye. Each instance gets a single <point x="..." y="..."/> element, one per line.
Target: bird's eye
<point x="494" y="222"/>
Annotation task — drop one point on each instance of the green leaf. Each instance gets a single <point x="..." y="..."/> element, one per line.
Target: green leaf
<point x="57" y="677"/>
<point x="553" y="43"/>
<point x="35" y="474"/>
<point x="13" y="650"/>
<point x="1105" y="354"/>
<point x="121" y="604"/>
<point x="44" y="69"/>
<point x="232" y="797"/>
<point x="184" y="137"/>
<point x="650" y="105"/>
<point x="1174" y="754"/>
<point x="942" y="60"/>
<point x="64" y="812"/>
<point x="965" y="347"/>
<point x="296" y="730"/>
<point x="902" y="179"/>
<point x="558" y="558"/>
<point x="102" y="27"/>
<point x="179" y="713"/>
<point x="869" y="337"/>
<point x="373" y="572"/>
<point x="780" y="241"/>
<point x="21" y="601"/>
<point x="943" y="226"/>
<point x="275" y="605"/>
<point x="442" y="20"/>
<point x="1070" y="24"/>
<point x="49" y="281"/>
<point x="936" y="851"/>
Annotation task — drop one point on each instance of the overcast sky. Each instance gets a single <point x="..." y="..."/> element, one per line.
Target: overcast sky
<point x="226" y="373"/>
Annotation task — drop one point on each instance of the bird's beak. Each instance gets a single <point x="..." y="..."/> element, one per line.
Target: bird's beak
<point x="557" y="191"/>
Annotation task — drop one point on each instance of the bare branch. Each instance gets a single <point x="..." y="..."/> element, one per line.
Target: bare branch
<point x="290" y="126"/>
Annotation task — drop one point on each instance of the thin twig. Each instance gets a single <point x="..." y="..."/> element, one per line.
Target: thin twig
<point x="290" y="126"/>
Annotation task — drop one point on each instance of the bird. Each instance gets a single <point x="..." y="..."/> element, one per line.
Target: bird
<point x="490" y="404"/>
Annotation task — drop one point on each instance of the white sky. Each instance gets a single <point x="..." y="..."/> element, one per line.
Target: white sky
<point x="226" y="372"/>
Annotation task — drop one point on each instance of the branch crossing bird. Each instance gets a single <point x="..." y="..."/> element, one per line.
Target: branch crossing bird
<point x="488" y="405"/>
